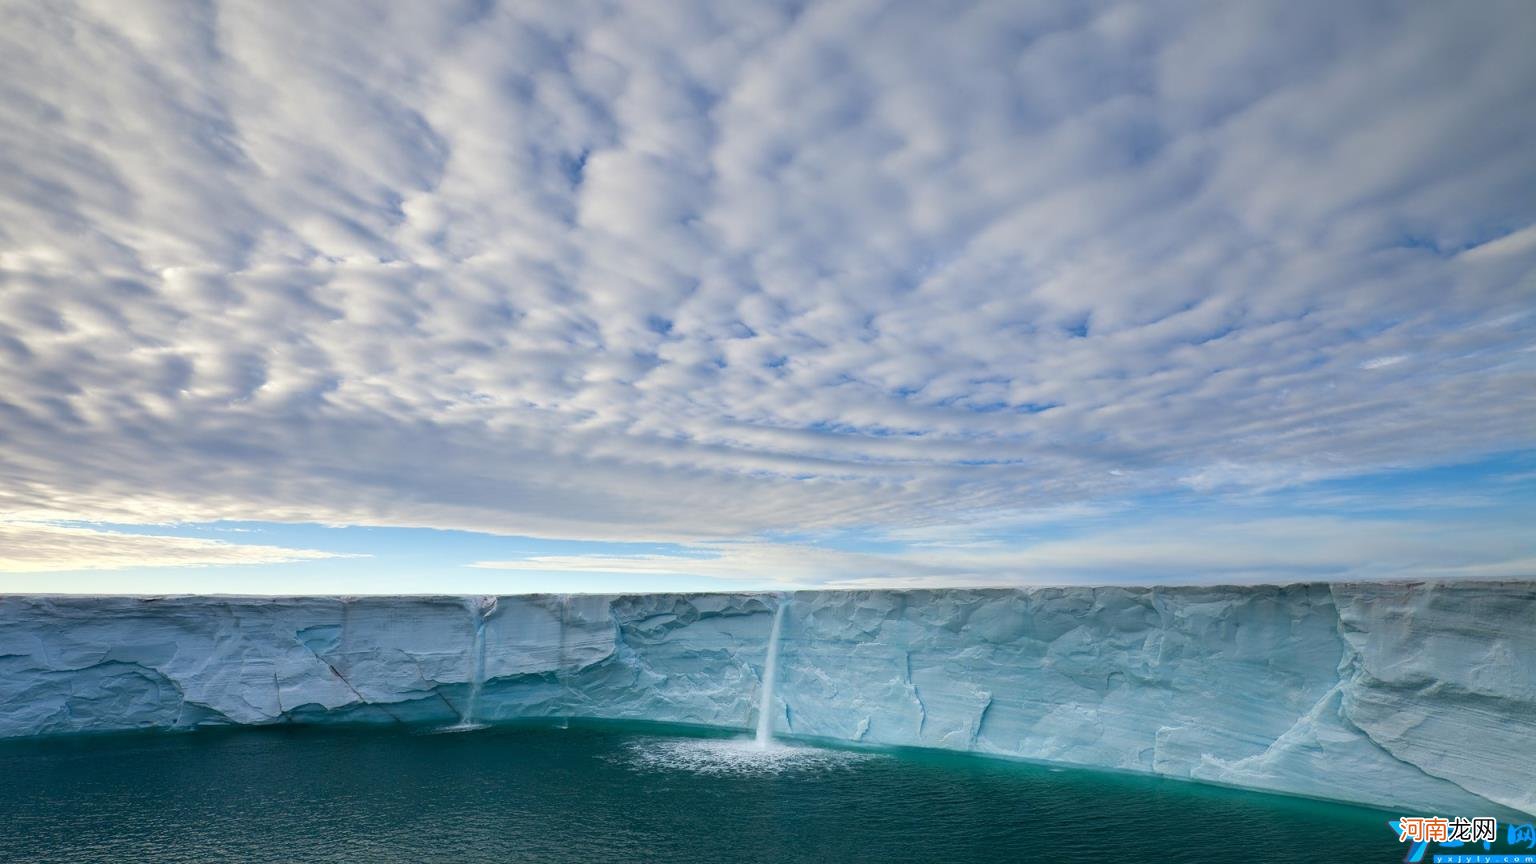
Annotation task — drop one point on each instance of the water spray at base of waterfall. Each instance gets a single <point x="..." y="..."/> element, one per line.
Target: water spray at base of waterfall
<point x="765" y="712"/>
<point x="736" y="756"/>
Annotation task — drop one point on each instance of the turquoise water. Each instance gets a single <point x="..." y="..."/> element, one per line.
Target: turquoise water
<point x="619" y="794"/>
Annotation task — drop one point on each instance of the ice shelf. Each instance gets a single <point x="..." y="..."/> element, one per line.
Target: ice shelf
<point x="1418" y="696"/>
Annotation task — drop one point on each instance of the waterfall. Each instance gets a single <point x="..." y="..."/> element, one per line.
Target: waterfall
<point x="480" y="608"/>
<point x="770" y="672"/>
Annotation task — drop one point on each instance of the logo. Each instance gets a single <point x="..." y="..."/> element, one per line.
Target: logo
<point x="1457" y="833"/>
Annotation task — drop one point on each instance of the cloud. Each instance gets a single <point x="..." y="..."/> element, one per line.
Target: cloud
<point x="43" y="548"/>
<point x="1512" y="244"/>
<point x="1162" y="550"/>
<point x="698" y="271"/>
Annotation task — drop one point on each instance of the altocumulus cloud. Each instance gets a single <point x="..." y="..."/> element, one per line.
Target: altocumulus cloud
<point x="698" y="271"/>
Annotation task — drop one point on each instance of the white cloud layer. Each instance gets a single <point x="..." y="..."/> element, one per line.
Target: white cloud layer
<point x="692" y="270"/>
<point x="1165" y="550"/>
<point x="42" y="548"/>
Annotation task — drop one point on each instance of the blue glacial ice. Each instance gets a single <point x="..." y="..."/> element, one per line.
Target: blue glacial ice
<point x="1407" y="695"/>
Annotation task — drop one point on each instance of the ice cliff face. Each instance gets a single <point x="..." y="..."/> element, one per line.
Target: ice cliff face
<point x="1417" y="696"/>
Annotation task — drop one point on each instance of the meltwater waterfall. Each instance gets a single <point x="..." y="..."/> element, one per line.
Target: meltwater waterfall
<point x="480" y="608"/>
<point x="770" y="672"/>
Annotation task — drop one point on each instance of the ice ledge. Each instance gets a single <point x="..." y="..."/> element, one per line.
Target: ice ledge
<point x="1408" y="695"/>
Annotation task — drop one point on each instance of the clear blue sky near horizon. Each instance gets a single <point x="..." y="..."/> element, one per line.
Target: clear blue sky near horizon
<point x="1477" y="518"/>
<point x="490" y="298"/>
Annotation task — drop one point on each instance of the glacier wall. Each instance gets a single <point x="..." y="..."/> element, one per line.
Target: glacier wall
<point x="1409" y="695"/>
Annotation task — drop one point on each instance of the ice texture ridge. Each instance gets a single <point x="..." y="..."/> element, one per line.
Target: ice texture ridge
<point x="1417" y="695"/>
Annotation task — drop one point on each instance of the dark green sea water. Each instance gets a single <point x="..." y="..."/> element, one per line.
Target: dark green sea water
<point x="589" y="794"/>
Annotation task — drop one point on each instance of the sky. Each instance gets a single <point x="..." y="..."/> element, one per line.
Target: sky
<point x="495" y="297"/>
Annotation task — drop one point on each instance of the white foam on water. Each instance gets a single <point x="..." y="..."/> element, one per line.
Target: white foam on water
<point x="735" y="756"/>
<point x="459" y="727"/>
